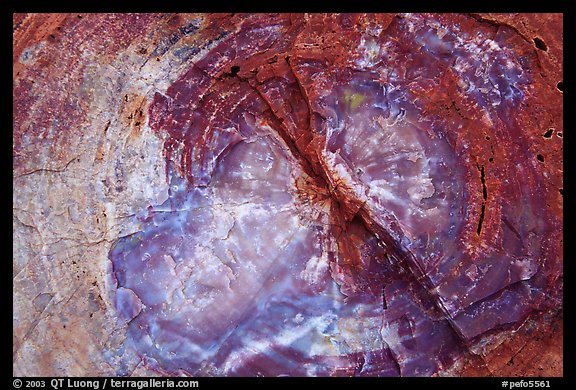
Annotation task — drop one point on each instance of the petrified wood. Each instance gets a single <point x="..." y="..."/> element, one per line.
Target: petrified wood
<point x="286" y="194"/>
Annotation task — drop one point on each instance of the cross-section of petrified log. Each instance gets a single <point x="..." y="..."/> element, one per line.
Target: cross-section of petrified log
<point x="302" y="195"/>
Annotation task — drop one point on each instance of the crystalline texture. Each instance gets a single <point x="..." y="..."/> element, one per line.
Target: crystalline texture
<point x="330" y="212"/>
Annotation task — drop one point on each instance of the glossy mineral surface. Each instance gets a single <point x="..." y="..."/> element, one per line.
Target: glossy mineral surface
<point x="298" y="195"/>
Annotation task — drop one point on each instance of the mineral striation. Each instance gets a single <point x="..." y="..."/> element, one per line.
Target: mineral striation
<point x="287" y="195"/>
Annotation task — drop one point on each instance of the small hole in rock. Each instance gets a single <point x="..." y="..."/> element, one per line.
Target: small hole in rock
<point x="560" y="86"/>
<point x="487" y="138"/>
<point x="561" y="191"/>
<point x="540" y="44"/>
<point x="548" y="133"/>
<point x="235" y="69"/>
<point x="491" y="159"/>
<point x="559" y="134"/>
<point x="540" y="157"/>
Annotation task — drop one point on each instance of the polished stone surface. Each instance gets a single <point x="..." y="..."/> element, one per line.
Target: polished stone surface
<point x="366" y="194"/>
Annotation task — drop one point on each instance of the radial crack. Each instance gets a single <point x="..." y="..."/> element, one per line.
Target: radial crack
<point x="484" y="196"/>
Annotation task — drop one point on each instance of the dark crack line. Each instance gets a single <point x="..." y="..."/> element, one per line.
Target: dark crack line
<point x="484" y="196"/>
<point x="53" y="170"/>
<point x="384" y="304"/>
